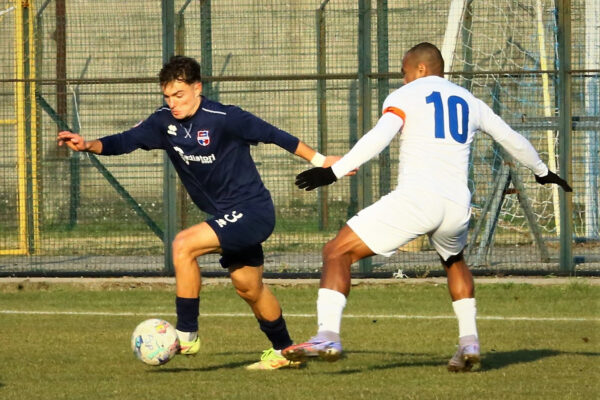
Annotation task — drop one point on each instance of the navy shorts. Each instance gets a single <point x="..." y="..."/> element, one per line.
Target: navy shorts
<point x="241" y="232"/>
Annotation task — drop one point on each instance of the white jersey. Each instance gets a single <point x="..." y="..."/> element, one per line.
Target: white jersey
<point x="437" y="120"/>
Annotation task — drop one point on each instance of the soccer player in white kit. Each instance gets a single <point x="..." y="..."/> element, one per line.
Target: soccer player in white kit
<point x="437" y="120"/>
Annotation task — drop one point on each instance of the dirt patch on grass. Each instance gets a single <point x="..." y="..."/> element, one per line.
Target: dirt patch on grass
<point x="168" y="283"/>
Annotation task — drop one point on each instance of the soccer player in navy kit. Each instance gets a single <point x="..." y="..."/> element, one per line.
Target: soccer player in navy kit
<point x="209" y="146"/>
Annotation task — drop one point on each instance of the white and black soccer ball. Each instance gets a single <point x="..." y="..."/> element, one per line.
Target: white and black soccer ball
<point x="154" y="341"/>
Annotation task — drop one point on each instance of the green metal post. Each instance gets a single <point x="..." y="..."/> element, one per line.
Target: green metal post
<point x="75" y="159"/>
<point x="383" y="89"/>
<point x="467" y="79"/>
<point x="467" y="45"/>
<point x="169" y="175"/>
<point x="352" y="139"/>
<point x="206" y="46"/>
<point x="323" y="208"/>
<point x="180" y="31"/>
<point x="60" y="36"/>
<point x="364" y="111"/>
<point x="564" y="139"/>
<point x="180" y="34"/>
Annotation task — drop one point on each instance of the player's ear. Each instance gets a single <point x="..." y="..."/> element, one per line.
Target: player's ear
<point x="197" y="89"/>
<point x="421" y="70"/>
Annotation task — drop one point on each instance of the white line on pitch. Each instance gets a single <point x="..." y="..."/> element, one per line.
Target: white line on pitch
<point x="235" y="315"/>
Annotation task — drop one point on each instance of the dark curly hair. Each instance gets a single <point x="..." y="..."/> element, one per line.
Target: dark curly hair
<point x="180" y="68"/>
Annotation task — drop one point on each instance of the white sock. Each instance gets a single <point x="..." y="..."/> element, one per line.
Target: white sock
<point x="186" y="336"/>
<point x="330" y="305"/>
<point x="465" y="311"/>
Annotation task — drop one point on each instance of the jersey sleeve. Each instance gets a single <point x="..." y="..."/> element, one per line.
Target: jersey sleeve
<point x="254" y="130"/>
<point x="370" y="145"/>
<point x="514" y="143"/>
<point x="145" y="135"/>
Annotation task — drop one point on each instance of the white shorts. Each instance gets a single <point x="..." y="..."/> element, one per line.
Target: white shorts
<point x="397" y="218"/>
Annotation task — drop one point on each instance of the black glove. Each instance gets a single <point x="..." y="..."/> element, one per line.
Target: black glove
<point x="553" y="178"/>
<point x="315" y="177"/>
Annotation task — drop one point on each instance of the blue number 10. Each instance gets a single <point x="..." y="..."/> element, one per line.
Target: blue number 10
<point x="453" y="103"/>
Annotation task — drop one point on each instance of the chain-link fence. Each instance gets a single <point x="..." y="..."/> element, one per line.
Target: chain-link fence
<point x="317" y="69"/>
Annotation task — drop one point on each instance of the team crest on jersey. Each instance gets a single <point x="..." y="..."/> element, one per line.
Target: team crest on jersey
<point x="172" y="130"/>
<point x="203" y="138"/>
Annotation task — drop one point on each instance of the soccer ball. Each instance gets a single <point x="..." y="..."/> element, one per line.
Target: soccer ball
<point x="154" y="341"/>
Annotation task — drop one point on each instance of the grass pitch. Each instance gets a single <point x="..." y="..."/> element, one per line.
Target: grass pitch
<point x="71" y="341"/>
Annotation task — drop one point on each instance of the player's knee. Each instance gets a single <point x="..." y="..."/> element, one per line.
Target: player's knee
<point x="249" y="291"/>
<point x="180" y="247"/>
<point x="333" y="251"/>
<point x="454" y="259"/>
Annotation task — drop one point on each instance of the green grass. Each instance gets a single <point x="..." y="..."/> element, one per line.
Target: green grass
<point x="88" y="356"/>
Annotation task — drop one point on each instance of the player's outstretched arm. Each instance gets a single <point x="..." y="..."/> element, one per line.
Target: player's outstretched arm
<point x="518" y="147"/>
<point x="317" y="159"/>
<point x="551" y="177"/>
<point x="75" y="142"/>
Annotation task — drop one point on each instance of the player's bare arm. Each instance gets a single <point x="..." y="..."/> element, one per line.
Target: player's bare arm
<point x="314" y="157"/>
<point x="75" y="142"/>
<point x="317" y="159"/>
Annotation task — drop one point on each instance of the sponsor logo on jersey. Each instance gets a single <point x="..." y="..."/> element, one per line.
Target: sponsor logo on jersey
<point x="188" y="157"/>
<point x="172" y="130"/>
<point x="203" y="138"/>
<point x="229" y="218"/>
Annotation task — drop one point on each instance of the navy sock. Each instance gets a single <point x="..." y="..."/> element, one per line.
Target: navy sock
<point x="187" y="314"/>
<point x="277" y="332"/>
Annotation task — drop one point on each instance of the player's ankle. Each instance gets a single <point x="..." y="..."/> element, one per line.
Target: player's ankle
<point x="187" y="336"/>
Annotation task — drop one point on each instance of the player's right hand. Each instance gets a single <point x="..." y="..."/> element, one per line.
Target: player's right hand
<point x="314" y="178"/>
<point x="72" y="140"/>
<point x="553" y="178"/>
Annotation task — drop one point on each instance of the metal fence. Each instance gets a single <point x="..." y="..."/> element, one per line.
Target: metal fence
<point x="318" y="69"/>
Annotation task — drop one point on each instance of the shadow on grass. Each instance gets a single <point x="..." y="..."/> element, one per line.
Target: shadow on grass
<point x="490" y="361"/>
<point x="501" y="359"/>
<point x="231" y="365"/>
<point x="410" y="360"/>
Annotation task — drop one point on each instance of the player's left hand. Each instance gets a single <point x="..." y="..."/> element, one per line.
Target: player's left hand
<point x="553" y="178"/>
<point x="314" y="178"/>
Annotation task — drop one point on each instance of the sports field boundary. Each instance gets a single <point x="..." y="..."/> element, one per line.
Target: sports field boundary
<point x="296" y="315"/>
<point x="546" y="280"/>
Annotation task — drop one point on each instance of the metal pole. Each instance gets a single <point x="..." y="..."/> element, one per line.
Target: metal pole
<point x="323" y="208"/>
<point x="383" y="89"/>
<point x="467" y="45"/>
<point x="27" y="106"/>
<point x="169" y="175"/>
<point x="206" y="45"/>
<point x="364" y="111"/>
<point x="61" y="65"/>
<point x="592" y="107"/>
<point x="564" y="139"/>
<point x="180" y="34"/>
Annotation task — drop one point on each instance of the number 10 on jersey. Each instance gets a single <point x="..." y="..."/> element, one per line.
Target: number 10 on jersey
<point x="458" y="133"/>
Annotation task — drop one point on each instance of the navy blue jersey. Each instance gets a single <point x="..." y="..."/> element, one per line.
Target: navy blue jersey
<point x="209" y="150"/>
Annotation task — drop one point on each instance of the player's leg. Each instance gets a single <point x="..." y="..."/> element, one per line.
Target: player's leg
<point x="249" y="285"/>
<point x="462" y="292"/>
<point x="375" y="230"/>
<point x="338" y="255"/>
<point x="188" y="245"/>
<point x="449" y="240"/>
